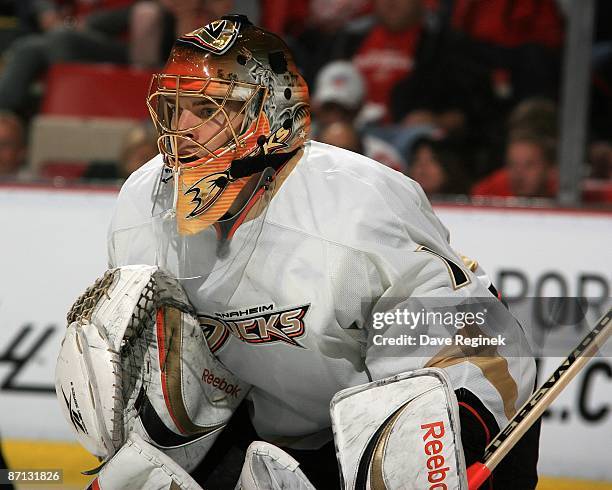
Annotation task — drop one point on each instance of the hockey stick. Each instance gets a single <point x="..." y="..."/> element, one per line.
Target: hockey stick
<point x="499" y="447"/>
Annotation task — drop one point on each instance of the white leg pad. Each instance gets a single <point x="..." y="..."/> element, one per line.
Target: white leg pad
<point x="139" y="465"/>
<point x="267" y="467"/>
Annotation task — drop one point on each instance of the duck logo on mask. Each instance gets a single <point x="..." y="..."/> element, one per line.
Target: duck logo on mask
<point x="216" y="37"/>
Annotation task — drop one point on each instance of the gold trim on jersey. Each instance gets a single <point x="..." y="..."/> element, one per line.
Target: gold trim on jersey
<point x="493" y="365"/>
<point x="469" y="263"/>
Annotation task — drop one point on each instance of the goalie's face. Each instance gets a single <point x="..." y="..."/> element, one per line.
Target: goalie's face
<point x="206" y="125"/>
<point x="200" y="120"/>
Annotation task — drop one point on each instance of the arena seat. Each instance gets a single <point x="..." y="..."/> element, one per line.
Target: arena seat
<point x="96" y="90"/>
<point x="86" y="111"/>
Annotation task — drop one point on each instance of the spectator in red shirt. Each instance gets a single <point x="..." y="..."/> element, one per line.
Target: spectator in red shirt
<point x="385" y="47"/>
<point x="530" y="170"/>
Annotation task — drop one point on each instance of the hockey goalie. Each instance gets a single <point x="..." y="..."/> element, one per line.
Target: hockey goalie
<point x="279" y="313"/>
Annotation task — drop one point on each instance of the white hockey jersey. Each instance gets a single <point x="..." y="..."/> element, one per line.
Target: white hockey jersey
<point x="343" y="238"/>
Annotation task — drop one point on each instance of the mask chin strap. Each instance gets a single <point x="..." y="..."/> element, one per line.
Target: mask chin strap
<point x="247" y="166"/>
<point x="227" y="224"/>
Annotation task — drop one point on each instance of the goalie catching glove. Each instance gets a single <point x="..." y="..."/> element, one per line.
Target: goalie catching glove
<point x="135" y="360"/>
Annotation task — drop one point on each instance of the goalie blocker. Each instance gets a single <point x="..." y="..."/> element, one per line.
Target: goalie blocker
<point x="398" y="431"/>
<point x="412" y="431"/>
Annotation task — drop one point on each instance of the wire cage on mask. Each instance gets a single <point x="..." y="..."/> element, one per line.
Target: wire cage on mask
<point x="201" y="119"/>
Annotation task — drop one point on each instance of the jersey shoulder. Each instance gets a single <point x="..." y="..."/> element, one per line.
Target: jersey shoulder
<point x="350" y="199"/>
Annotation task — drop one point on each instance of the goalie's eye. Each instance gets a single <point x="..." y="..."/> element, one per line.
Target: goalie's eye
<point x="205" y="112"/>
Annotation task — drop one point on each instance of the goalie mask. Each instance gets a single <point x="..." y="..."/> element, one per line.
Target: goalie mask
<point x="228" y="104"/>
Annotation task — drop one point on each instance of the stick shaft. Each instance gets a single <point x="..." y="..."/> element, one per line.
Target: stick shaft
<point x="542" y="398"/>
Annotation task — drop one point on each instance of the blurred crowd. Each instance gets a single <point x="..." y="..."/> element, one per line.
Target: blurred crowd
<point x="461" y="95"/>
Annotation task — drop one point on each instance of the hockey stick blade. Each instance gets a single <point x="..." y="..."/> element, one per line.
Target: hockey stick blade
<point x="533" y="408"/>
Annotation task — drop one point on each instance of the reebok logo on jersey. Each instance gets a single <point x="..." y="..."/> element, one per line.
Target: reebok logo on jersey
<point x="220" y="383"/>
<point x="263" y="328"/>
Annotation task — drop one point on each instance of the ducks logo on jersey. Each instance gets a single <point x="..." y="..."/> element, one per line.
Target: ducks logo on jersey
<point x="266" y="327"/>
